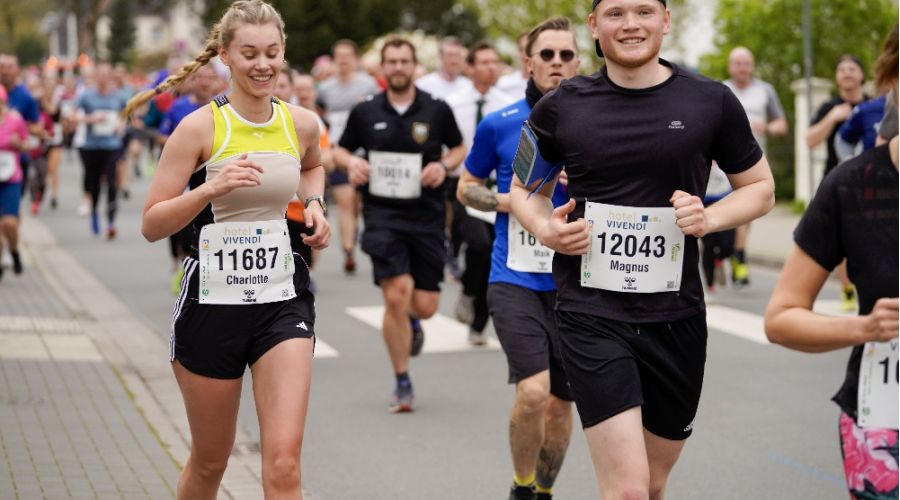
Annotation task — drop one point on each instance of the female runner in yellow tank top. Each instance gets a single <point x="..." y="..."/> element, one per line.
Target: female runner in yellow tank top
<point x="244" y="156"/>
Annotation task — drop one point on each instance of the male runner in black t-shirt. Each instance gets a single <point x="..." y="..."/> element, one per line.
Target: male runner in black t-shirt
<point x="402" y="133"/>
<point x="637" y="139"/>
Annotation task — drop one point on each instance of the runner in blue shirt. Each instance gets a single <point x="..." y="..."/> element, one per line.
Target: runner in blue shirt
<point x="522" y="294"/>
<point x="861" y="126"/>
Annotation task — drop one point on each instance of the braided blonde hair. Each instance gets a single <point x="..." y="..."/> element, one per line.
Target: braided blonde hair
<point x="255" y="12"/>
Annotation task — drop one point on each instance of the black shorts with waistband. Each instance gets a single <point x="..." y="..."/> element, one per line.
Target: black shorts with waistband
<point x="221" y="340"/>
<point x="614" y="366"/>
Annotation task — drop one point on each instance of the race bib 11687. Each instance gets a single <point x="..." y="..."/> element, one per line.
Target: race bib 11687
<point x="633" y="250"/>
<point x="246" y="263"/>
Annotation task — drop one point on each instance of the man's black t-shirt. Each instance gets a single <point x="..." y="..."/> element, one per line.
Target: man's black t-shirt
<point x="427" y="126"/>
<point x="636" y="148"/>
<point x="854" y="216"/>
<point x="831" y="160"/>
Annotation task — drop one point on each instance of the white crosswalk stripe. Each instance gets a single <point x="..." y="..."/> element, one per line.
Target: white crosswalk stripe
<point x="442" y="334"/>
<point x="749" y="326"/>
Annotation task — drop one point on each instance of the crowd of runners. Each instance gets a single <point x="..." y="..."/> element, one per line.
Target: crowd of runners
<point x="586" y="216"/>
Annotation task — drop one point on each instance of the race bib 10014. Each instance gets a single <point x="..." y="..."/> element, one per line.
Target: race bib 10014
<point x="395" y="175"/>
<point x="879" y="374"/>
<point x="526" y="254"/>
<point x="633" y="250"/>
<point x="246" y="263"/>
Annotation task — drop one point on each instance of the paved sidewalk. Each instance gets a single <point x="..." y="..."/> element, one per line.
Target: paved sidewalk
<point x="88" y="404"/>
<point x="771" y="238"/>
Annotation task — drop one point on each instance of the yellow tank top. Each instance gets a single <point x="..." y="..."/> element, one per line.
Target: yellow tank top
<point x="272" y="145"/>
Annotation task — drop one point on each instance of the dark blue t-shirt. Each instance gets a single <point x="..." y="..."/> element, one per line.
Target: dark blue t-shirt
<point x="22" y="101"/>
<point x="494" y="148"/>
<point x="863" y="123"/>
<point x="179" y="110"/>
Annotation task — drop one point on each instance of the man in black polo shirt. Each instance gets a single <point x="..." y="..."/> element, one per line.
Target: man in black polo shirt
<point x="401" y="133"/>
<point x="637" y="140"/>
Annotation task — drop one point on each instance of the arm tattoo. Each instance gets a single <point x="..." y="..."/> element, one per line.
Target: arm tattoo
<point x="480" y="198"/>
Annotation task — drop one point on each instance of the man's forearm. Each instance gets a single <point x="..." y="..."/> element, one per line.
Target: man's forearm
<point x="532" y="212"/>
<point x="741" y="206"/>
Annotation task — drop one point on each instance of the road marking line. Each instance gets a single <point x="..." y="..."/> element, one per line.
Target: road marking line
<point x="749" y="326"/>
<point x="324" y="350"/>
<point x="442" y="334"/>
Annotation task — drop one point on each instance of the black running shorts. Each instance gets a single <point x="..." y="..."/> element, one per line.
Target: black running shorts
<point x="613" y="366"/>
<point x="526" y="326"/>
<point x="220" y="341"/>
<point x="395" y="253"/>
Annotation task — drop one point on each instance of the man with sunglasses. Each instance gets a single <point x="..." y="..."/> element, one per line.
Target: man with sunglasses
<point x="470" y="106"/>
<point x="637" y="140"/>
<point x="521" y="295"/>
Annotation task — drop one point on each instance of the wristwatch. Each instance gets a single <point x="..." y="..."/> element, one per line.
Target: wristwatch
<point x="318" y="198"/>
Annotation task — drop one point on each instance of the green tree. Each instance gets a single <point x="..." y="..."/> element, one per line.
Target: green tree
<point x="121" y="37"/>
<point x="30" y="48"/>
<point x="773" y="30"/>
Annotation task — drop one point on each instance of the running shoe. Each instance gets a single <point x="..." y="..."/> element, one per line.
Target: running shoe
<point x="53" y="203"/>
<point x="95" y="224"/>
<point x="349" y="263"/>
<point x="477" y="339"/>
<point x="740" y="273"/>
<point x="848" y="299"/>
<point x="111" y="233"/>
<point x="126" y="193"/>
<point x="522" y="493"/>
<point x="418" y="337"/>
<point x="84" y="209"/>
<point x="16" y="262"/>
<point x="544" y="496"/>
<point x="403" y="399"/>
<point x="35" y="207"/>
<point x="465" y="309"/>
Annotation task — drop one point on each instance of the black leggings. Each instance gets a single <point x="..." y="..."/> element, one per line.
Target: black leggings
<point x="716" y="246"/>
<point x="100" y="163"/>
<point x="479" y="238"/>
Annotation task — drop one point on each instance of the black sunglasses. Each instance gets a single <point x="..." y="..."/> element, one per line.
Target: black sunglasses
<point x="566" y="55"/>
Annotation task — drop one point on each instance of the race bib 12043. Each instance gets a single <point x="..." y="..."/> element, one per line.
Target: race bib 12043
<point x="526" y="254"/>
<point x="246" y="263"/>
<point x="878" y="385"/>
<point x="633" y="250"/>
<point x="395" y="175"/>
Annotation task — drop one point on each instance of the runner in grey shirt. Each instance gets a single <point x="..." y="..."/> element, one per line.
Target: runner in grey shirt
<point x="341" y="93"/>
<point x="766" y="118"/>
<point x="347" y="88"/>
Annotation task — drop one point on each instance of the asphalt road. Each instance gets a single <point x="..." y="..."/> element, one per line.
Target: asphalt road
<point x="766" y="428"/>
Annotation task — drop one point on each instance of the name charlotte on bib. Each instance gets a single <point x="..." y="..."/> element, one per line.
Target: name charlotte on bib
<point x="633" y="249"/>
<point x="246" y="263"/>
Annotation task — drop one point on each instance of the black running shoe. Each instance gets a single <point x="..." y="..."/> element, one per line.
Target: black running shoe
<point x="544" y="496"/>
<point x="17" y="262"/>
<point x="522" y="493"/>
<point x="418" y="337"/>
